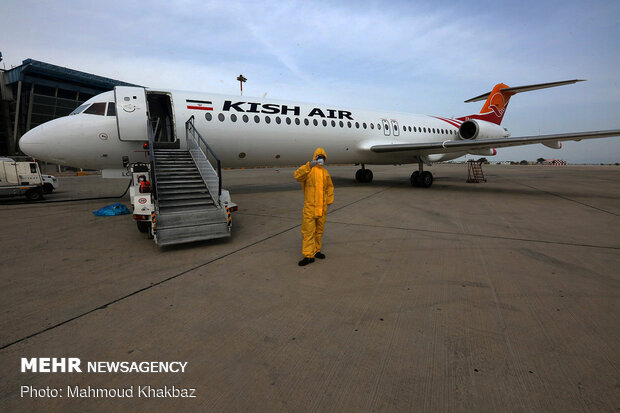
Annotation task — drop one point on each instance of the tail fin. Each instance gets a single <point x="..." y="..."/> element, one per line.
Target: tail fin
<point x="497" y="100"/>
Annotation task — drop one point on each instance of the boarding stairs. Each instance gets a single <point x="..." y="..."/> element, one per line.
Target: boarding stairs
<point x="474" y="172"/>
<point x="187" y="193"/>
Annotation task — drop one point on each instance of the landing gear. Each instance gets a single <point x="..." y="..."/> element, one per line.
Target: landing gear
<point x="363" y="175"/>
<point x="421" y="178"/>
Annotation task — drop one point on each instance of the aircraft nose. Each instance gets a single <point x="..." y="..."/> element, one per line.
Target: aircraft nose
<point x="31" y="143"/>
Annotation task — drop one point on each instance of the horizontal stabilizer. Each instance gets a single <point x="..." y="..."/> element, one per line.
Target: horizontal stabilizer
<point x="518" y="89"/>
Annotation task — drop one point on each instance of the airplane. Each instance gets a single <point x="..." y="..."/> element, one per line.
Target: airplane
<point x="109" y="131"/>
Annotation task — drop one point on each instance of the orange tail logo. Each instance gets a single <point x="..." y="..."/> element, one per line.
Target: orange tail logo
<point x="495" y="106"/>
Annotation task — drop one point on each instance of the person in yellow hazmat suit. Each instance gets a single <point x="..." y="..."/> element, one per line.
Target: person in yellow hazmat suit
<point x="318" y="193"/>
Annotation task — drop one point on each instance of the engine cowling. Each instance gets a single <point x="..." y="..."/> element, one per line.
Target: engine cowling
<point x="479" y="129"/>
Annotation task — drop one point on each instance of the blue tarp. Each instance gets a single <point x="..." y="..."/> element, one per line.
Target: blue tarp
<point x="111" y="210"/>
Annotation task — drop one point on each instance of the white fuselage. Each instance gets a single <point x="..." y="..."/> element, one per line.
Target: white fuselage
<point x="242" y="131"/>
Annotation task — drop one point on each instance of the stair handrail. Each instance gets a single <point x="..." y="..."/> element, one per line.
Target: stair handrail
<point x="193" y="143"/>
<point x="151" y="144"/>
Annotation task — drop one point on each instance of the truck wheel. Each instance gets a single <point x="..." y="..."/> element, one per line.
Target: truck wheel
<point x="34" y="194"/>
<point x="144" y="226"/>
<point x="48" y="188"/>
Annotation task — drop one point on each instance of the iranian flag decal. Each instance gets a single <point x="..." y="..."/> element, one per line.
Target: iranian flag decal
<point x="199" y="104"/>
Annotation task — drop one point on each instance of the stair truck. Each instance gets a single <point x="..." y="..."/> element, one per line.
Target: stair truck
<point x="178" y="197"/>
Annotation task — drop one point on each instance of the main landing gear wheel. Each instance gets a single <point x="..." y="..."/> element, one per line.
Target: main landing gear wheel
<point x="421" y="179"/>
<point x="364" y="176"/>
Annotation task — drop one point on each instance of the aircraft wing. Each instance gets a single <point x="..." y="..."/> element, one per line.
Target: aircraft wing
<point x="466" y="145"/>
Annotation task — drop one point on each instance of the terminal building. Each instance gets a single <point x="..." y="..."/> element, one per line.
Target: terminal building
<point x="36" y="92"/>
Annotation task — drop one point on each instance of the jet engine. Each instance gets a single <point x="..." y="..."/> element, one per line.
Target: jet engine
<point x="479" y="129"/>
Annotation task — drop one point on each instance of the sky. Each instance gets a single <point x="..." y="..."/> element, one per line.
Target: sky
<point x="422" y="57"/>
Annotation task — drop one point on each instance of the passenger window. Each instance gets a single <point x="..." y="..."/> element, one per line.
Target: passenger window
<point x="288" y="121"/>
<point x="267" y="119"/>
<point x="245" y="118"/>
<point x="257" y="119"/>
<point x="233" y="117"/>
<point x="306" y="122"/>
<point x="333" y="123"/>
<point x="208" y="116"/>
<point x="111" y="109"/>
<point x="278" y="120"/>
<point x="324" y="122"/>
<point x="348" y="124"/>
<point x="297" y="121"/>
<point x="364" y="125"/>
<point x="221" y="117"/>
<point x="357" y="125"/>
<point x="96" y="109"/>
<point x="372" y="126"/>
<point x="379" y="126"/>
<point x="341" y="124"/>
<point x="315" y="122"/>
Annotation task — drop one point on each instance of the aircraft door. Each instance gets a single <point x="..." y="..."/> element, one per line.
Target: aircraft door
<point x="395" y="128"/>
<point x="131" y="113"/>
<point x="386" y="127"/>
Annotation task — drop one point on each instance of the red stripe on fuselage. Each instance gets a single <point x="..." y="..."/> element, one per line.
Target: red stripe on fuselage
<point x="199" y="108"/>
<point x="450" y="121"/>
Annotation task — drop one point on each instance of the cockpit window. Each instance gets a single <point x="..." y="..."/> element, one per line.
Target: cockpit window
<point x="79" y="109"/>
<point x="97" y="108"/>
<point x="111" y="109"/>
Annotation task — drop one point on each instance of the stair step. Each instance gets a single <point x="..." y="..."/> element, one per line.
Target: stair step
<point x="185" y="196"/>
<point x="164" y="186"/>
<point x="175" y="168"/>
<point x="171" y="236"/>
<point x="185" y="203"/>
<point x="173" y="190"/>
<point x="175" y="172"/>
<point x="179" y="180"/>
<point x="170" y="157"/>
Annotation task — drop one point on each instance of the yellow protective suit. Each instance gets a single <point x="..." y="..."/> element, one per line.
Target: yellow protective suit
<point x="318" y="193"/>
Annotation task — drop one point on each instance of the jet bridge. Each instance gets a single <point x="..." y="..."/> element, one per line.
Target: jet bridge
<point x="178" y="197"/>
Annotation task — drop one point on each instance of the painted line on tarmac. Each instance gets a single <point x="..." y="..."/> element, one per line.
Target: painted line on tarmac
<point x="165" y="280"/>
<point x="568" y="199"/>
<point x="430" y="231"/>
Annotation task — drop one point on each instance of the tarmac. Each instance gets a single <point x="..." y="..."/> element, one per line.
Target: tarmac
<point x="497" y="296"/>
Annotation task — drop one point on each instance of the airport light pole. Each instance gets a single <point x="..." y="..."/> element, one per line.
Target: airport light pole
<point x="241" y="80"/>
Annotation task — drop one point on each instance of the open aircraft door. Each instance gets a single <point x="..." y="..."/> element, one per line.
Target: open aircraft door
<point x="131" y="113"/>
